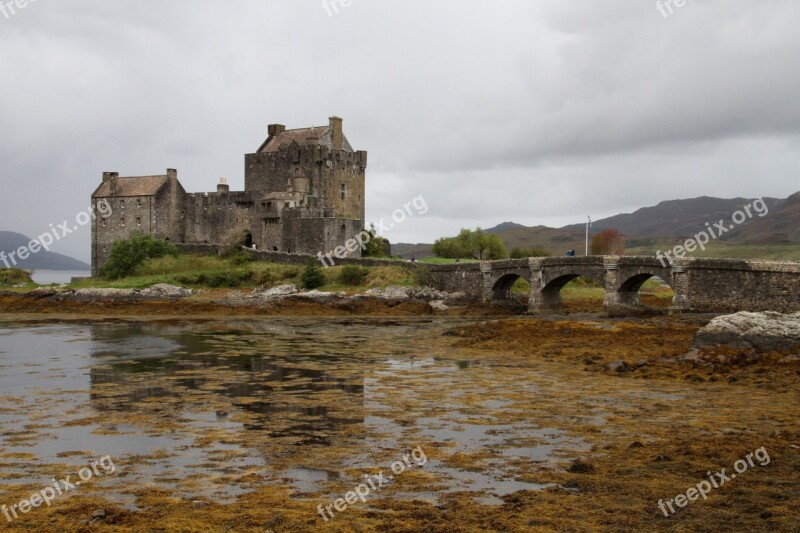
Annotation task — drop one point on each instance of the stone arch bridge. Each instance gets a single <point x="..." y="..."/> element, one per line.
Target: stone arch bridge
<point x="700" y="285"/>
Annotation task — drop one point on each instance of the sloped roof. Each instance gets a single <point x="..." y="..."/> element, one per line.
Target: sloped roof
<point x="286" y="137"/>
<point x="133" y="186"/>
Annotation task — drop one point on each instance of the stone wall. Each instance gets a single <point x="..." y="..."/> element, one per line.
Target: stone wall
<point x="723" y="285"/>
<point x="464" y="277"/>
<point x="297" y="259"/>
<point x="336" y="178"/>
<point x="158" y="215"/>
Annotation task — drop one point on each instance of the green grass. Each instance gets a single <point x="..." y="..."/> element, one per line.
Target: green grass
<point x="214" y="272"/>
<point x="722" y="250"/>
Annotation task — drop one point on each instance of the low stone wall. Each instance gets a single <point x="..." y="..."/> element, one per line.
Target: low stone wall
<point x="724" y="285"/>
<point x="294" y="259"/>
<point x="466" y="278"/>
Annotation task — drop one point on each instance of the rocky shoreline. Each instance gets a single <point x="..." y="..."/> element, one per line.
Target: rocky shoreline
<point x="284" y="299"/>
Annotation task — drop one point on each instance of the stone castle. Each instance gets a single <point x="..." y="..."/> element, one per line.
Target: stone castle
<point x="304" y="192"/>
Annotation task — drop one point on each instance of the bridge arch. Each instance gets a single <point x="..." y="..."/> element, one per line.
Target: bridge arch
<point x="501" y="290"/>
<point x="625" y="279"/>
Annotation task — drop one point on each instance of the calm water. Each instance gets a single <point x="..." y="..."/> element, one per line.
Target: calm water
<point x="219" y="408"/>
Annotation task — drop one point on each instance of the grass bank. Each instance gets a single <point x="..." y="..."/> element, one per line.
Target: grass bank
<point x="212" y="272"/>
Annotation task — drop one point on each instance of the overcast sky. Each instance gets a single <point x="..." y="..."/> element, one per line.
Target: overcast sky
<point x="532" y="111"/>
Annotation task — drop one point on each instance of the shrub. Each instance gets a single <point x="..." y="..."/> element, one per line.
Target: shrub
<point x="127" y="255"/>
<point x="423" y="277"/>
<point x="608" y="242"/>
<point x="312" y="276"/>
<point x="377" y="246"/>
<point x="353" y="275"/>
<point x="264" y="277"/>
<point x="14" y="276"/>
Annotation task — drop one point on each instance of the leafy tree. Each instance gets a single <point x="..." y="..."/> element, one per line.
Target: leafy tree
<point x="523" y="253"/>
<point x="608" y="242"/>
<point x="126" y="255"/>
<point x="312" y="276"/>
<point x="377" y="246"/>
<point x="471" y="244"/>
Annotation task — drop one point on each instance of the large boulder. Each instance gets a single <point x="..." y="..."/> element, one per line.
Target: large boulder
<point x="762" y="332"/>
<point x="275" y="293"/>
<point x="396" y="292"/>
<point x="165" y="290"/>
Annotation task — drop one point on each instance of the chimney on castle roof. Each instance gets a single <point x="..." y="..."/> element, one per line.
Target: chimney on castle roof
<point x="223" y="186"/>
<point x="275" y="129"/>
<point x="172" y="173"/>
<point x="337" y="136"/>
<point x="112" y="178"/>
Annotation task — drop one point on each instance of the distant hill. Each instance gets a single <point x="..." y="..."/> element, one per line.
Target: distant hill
<point x="10" y="242"/>
<point x="780" y="226"/>
<point x="505" y="226"/>
<point x="408" y="251"/>
<point x="673" y="221"/>
<point x="676" y="218"/>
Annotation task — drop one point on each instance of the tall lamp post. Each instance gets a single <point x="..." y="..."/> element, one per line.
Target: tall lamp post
<point x="588" y="225"/>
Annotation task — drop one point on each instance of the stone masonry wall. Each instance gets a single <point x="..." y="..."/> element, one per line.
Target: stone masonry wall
<point x="297" y="259"/>
<point x="721" y="285"/>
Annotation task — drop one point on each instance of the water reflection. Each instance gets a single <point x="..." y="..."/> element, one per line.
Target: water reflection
<point x="216" y="408"/>
<point x="228" y="363"/>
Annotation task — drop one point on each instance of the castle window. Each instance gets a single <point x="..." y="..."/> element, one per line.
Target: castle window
<point x="138" y="202"/>
<point x="122" y="204"/>
<point x="344" y="190"/>
<point x="121" y="221"/>
<point x="138" y="221"/>
<point x="103" y="221"/>
<point x="104" y="249"/>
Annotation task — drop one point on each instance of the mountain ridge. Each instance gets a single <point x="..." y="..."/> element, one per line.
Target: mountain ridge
<point x="11" y="241"/>
<point x="666" y="222"/>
